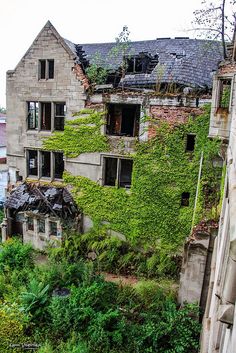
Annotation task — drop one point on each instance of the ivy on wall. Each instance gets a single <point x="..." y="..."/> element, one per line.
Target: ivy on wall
<point x="150" y="215"/>
<point x="80" y="135"/>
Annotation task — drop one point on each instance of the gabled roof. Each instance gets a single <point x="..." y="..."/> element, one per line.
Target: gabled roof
<point x="188" y="62"/>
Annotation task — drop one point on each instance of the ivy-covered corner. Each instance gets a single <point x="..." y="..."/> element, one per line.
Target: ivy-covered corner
<point x="156" y="215"/>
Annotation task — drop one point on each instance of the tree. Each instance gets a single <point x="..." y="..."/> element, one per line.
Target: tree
<point x="216" y="20"/>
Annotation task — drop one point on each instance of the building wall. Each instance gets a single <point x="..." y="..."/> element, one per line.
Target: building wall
<point x="23" y="85"/>
<point x="219" y="323"/>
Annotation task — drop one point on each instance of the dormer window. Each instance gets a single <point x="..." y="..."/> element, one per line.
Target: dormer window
<point x="46" y="69"/>
<point x="139" y="63"/>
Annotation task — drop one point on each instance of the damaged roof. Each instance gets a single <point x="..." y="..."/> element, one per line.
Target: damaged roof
<point x="56" y="201"/>
<point x="188" y="62"/>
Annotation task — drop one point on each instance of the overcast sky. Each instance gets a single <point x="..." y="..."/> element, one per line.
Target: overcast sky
<point x="88" y="21"/>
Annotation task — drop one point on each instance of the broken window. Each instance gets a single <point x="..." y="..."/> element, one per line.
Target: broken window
<point x="138" y="63"/>
<point x="59" y="119"/>
<point x="32" y="119"/>
<point x="46" y="167"/>
<point x="190" y="143"/>
<point x="123" y="119"/>
<point x="52" y="228"/>
<point x="185" y="199"/>
<point x="224" y="93"/>
<point x="46" y="69"/>
<point x="30" y="223"/>
<point x="41" y="226"/>
<point x="32" y="162"/>
<point x="46" y="112"/>
<point x="59" y="165"/>
<point x="45" y="164"/>
<point x="118" y="171"/>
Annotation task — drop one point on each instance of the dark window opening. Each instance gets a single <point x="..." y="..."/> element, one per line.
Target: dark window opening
<point x="224" y="94"/>
<point x="123" y="119"/>
<point x="42" y="69"/>
<point x="59" y="165"/>
<point x="125" y="173"/>
<point x="118" y="172"/>
<point x="110" y="171"/>
<point x="50" y="69"/>
<point x="59" y="119"/>
<point x="185" y="199"/>
<point x="46" y="164"/>
<point x="46" y="116"/>
<point x="46" y="69"/>
<point x="41" y="226"/>
<point x="53" y="228"/>
<point x="138" y="63"/>
<point x="32" y="162"/>
<point x="30" y="223"/>
<point x="33" y="109"/>
<point x="190" y="143"/>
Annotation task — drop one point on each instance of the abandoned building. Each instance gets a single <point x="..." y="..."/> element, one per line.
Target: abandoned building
<point x="166" y="79"/>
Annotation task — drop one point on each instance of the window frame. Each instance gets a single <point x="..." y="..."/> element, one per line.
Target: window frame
<point x="118" y="171"/>
<point x="111" y="119"/>
<point x="41" y="109"/>
<point x="52" y="171"/>
<point x="47" y="69"/>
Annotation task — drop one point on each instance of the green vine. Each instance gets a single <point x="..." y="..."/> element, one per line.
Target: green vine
<point x="150" y="215"/>
<point x="80" y="135"/>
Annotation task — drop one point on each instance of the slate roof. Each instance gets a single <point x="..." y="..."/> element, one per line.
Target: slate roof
<point x="188" y="62"/>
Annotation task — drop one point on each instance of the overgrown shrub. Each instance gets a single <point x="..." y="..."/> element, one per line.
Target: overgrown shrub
<point x="15" y="256"/>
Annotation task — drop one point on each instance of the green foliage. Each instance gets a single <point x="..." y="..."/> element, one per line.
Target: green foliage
<point x="3" y="110"/>
<point x="150" y="215"/>
<point x="34" y="300"/>
<point x="81" y="135"/>
<point x="96" y="74"/>
<point x="15" y="255"/>
<point x="12" y="328"/>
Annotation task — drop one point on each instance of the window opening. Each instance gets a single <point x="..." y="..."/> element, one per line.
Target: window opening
<point x="32" y="162"/>
<point x="125" y="173"/>
<point x="59" y="119"/>
<point x="46" y="164"/>
<point x="118" y="172"/>
<point x="190" y="143"/>
<point x="123" y="120"/>
<point x="50" y="69"/>
<point x="225" y="91"/>
<point x="46" y="116"/>
<point x="59" y="165"/>
<point x="30" y="223"/>
<point x="41" y="226"/>
<point x="42" y="69"/>
<point x="52" y="228"/>
<point x="33" y="109"/>
<point x="110" y="171"/>
<point x="185" y="199"/>
<point x="46" y="69"/>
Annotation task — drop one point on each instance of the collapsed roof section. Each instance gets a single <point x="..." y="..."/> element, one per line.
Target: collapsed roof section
<point x="40" y="199"/>
<point x="183" y="61"/>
